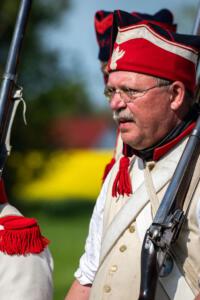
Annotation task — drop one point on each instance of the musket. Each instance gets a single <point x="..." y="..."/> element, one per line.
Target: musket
<point x="196" y="28"/>
<point x="163" y="232"/>
<point x="11" y="94"/>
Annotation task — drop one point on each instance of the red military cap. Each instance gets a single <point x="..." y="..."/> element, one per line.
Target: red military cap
<point x="103" y="21"/>
<point x="147" y="48"/>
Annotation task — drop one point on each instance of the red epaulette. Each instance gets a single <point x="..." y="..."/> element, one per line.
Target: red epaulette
<point x="20" y="236"/>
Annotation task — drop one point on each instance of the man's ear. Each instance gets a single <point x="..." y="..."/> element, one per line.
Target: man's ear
<point x="177" y="94"/>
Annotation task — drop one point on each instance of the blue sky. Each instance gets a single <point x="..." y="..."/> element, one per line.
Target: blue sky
<point x="75" y="38"/>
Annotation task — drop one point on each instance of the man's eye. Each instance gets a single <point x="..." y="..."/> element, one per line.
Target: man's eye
<point x="129" y="91"/>
<point x="108" y="91"/>
<point x="111" y="91"/>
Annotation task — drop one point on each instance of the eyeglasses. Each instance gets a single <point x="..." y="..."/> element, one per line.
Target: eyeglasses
<point x="128" y="94"/>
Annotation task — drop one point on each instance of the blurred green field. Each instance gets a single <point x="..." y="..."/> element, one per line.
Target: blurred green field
<point x="66" y="225"/>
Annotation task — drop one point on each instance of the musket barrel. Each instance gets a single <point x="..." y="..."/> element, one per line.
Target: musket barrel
<point x="196" y="28"/>
<point x="18" y="36"/>
<point x="9" y="77"/>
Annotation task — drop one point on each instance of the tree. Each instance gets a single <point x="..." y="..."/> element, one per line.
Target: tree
<point x="38" y="62"/>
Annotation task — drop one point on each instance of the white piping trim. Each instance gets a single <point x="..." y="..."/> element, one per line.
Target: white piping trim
<point x="146" y="33"/>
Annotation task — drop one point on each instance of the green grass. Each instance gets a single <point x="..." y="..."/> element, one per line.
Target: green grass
<point x="66" y="226"/>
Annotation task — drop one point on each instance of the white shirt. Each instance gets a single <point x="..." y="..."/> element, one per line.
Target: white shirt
<point x="89" y="261"/>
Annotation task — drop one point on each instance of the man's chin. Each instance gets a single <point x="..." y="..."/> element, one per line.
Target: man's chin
<point x="127" y="139"/>
<point x="133" y="141"/>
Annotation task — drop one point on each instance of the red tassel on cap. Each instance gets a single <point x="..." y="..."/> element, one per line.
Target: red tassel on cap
<point x="122" y="183"/>
<point x="108" y="167"/>
<point x="21" y="236"/>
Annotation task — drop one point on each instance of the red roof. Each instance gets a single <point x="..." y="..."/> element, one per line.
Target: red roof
<point x="78" y="132"/>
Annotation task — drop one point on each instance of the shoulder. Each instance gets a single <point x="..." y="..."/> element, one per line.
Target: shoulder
<point x="18" y="234"/>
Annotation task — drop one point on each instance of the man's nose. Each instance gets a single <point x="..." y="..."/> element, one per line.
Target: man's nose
<point x="117" y="102"/>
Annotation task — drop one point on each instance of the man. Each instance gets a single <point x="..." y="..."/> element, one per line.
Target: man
<point x="103" y="23"/>
<point x="25" y="260"/>
<point x="152" y="74"/>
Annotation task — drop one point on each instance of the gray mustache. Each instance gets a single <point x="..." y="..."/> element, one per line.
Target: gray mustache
<point x="122" y="115"/>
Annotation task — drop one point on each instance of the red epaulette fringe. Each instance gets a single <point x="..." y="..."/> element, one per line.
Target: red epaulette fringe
<point x="21" y="236"/>
<point x="122" y="182"/>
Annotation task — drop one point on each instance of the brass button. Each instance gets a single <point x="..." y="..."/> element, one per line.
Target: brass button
<point x="132" y="228"/>
<point x="151" y="165"/>
<point x="113" y="268"/>
<point x="107" y="288"/>
<point x="123" y="248"/>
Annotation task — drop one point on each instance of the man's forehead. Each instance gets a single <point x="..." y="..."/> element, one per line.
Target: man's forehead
<point x="123" y="77"/>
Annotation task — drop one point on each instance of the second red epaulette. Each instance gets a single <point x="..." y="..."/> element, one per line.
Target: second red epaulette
<point x="21" y="236"/>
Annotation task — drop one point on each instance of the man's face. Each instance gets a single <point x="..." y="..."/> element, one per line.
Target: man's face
<point x="144" y="120"/>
